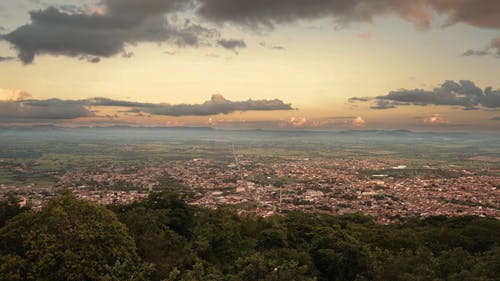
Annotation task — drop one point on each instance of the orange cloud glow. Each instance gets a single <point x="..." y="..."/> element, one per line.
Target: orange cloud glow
<point x="435" y="119"/>
<point x="359" y="122"/>
<point x="13" y="95"/>
<point x="298" y="121"/>
<point x="98" y="10"/>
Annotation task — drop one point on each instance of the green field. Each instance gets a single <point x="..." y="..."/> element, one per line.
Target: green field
<point x="45" y="154"/>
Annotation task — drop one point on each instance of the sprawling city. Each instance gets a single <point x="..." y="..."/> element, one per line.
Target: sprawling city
<point x="249" y="140"/>
<point x="257" y="178"/>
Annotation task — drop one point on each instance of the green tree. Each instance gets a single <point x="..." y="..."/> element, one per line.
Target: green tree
<point x="69" y="239"/>
<point x="9" y="209"/>
<point x="258" y="267"/>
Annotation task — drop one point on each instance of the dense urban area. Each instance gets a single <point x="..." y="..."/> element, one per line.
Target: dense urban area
<point x="387" y="187"/>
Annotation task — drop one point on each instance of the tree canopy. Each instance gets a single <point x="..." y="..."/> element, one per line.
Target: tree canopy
<point x="164" y="239"/>
<point x="69" y="239"/>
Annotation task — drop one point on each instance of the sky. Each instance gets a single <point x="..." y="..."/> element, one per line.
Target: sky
<point x="292" y="64"/>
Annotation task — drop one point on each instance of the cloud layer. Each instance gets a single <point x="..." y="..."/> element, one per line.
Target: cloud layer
<point x="231" y="44"/>
<point x="264" y="13"/>
<point x="464" y="94"/>
<point x="492" y="49"/>
<point x="103" y="31"/>
<point x="108" y="29"/>
<point x="14" y="106"/>
<point x="18" y="107"/>
<point x="216" y="105"/>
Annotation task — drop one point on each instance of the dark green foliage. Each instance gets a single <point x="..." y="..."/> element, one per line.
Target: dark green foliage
<point x="9" y="209"/>
<point x="74" y="240"/>
<point x="69" y="239"/>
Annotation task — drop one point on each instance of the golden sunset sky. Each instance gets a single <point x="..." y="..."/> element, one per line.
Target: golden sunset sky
<point x="300" y="62"/>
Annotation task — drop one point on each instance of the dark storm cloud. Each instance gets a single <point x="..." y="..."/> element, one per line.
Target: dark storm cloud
<point x="145" y="8"/>
<point x="464" y="94"/>
<point x="480" y="13"/>
<point x="106" y="30"/>
<point x="231" y="44"/>
<point x="264" y="13"/>
<point x="103" y="31"/>
<point x="258" y="14"/>
<point x="71" y="109"/>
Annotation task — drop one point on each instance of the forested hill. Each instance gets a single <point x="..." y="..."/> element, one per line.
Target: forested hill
<point x="162" y="238"/>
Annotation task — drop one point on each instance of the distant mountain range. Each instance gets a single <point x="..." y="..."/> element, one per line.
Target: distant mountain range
<point x="397" y="132"/>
